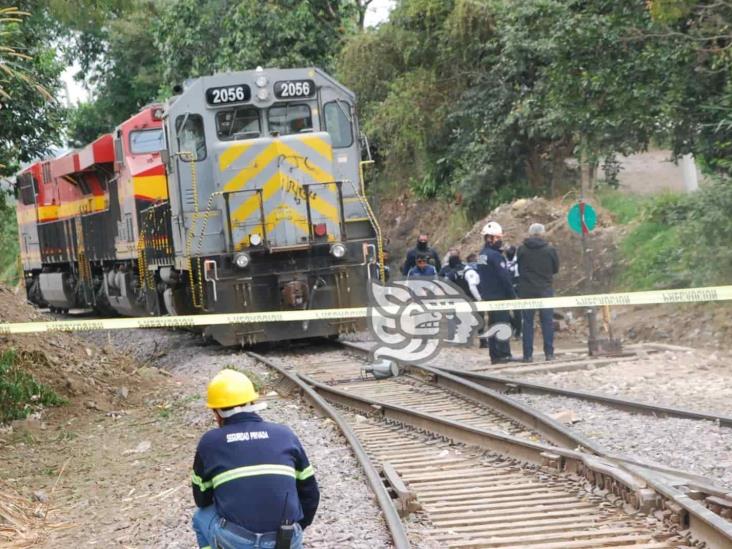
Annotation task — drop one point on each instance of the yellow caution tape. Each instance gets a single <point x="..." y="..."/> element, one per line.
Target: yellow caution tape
<point x="692" y="295"/>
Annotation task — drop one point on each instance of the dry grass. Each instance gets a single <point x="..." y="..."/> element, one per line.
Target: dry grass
<point x="21" y="520"/>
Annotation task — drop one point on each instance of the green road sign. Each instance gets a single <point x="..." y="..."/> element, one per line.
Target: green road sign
<point x="582" y="218"/>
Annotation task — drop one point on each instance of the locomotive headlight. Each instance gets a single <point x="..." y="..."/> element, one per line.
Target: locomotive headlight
<point x="338" y="250"/>
<point x="263" y="94"/>
<point x="261" y="81"/>
<point x="241" y="260"/>
<point x="255" y="239"/>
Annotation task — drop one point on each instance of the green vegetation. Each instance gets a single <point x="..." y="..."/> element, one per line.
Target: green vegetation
<point x="20" y="393"/>
<point x="484" y="100"/>
<point x="623" y="206"/>
<point x="8" y="243"/>
<point x="675" y="240"/>
<point x="134" y="52"/>
<point x="30" y="118"/>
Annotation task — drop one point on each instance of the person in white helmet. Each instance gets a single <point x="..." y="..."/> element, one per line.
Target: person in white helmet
<point x="495" y="285"/>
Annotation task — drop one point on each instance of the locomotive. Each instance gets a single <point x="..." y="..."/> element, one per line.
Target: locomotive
<point x="243" y="192"/>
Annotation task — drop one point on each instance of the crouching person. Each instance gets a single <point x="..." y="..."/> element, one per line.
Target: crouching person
<point x="252" y="481"/>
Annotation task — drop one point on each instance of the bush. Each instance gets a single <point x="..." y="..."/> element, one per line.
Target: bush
<point x="8" y="243"/>
<point x="20" y="393"/>
<point x="681" y="240"/>
<point x="623" y="206"/>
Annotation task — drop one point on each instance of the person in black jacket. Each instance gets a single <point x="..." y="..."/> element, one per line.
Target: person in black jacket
<point x="422" y="248"/>
<point x="538" y="262"/>
<point x="250" y="476"/>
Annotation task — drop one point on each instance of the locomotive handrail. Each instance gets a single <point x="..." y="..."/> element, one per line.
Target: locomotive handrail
<point x="262" y="219"/>
<point x="341" y="208"/>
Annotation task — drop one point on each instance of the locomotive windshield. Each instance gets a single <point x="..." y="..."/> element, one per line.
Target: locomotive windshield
<point x="146" y="141"/>
<point x="288" y="119"/>
<point x="338" y="124"/>
<point x="238" y="123"/>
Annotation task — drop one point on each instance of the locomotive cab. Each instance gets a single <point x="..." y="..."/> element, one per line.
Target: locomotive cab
<point x="265" y="197"/>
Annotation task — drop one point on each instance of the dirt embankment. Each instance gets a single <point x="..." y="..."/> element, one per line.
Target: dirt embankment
<point x="94" y="380"/>
<point x="404" y="218"/>
<point x="87" y="375"/>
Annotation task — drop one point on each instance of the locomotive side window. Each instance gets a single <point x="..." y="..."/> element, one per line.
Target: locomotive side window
<point x="146" y="141"/>
<point x="26" y="184"/>
<point x="191" y="139"/>
<point x="238" y="123"/>
<point x="287" y="119"/>
<point x="338" y="124"/>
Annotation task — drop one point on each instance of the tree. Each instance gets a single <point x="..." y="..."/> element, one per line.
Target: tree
<point x="700" y="103"/>
<point x="30" y="118"/>
<point x="197" y="37"/>
<point x="120" y="62"/>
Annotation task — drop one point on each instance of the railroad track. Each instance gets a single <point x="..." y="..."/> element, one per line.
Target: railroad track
<point x="427" y="433"/>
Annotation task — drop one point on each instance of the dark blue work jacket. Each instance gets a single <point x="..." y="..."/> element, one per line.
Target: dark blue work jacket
<point x="495" y="278"/>
<point x="256" y="473"/>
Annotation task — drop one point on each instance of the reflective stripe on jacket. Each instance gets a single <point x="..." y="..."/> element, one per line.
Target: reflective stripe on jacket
<point x="256" y="473"/>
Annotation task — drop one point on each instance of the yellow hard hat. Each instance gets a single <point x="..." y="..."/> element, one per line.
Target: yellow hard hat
<point x="230" y="388"/>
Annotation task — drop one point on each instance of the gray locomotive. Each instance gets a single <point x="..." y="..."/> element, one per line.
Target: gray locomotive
<point x="267" y="208"/>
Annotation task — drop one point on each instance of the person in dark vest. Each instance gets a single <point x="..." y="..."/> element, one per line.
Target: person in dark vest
<point x="422" y="248"/>
<point x="252" y="481"/>
<point x="538" y="262"/>
<point x="453" y="267"/>
<point x="495" y="285"/>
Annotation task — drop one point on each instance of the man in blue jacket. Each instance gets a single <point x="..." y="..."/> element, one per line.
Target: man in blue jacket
<point x="250" y="477"/>
<point x="422" y="269"/>
<point x="495" y="285"/>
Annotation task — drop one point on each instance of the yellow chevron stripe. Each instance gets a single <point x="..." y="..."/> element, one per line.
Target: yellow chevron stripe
<point x="246" y="174"/>
<point x="318" y="174"/>
<point x="317" y="202"/>
<point x="228" y="157"/>
<point x="319" y="145"/>
<point x="251" y="204"/>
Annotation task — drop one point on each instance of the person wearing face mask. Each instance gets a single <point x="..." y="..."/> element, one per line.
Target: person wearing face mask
<point x="422" y="248"/>
<point x="453" y="267"/>
<point x="495" y="285"/>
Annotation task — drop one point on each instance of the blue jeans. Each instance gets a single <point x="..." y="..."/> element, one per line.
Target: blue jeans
<point x="546" y="319"/>
<point x="211" y="534"/>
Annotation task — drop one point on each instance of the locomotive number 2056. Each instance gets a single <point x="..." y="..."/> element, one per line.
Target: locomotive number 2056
<point x="228" y="94"/>
<point x="286" y="89"/>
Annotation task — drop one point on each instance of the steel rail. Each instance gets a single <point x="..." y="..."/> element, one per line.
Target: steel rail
<point x="507" y="385"/>
<point x="637" y="485"/>
<point x="391" y="516"/>
<point x="499" y="383"/>
<point x="707" y="525"/>
<point x="551" y="429"/>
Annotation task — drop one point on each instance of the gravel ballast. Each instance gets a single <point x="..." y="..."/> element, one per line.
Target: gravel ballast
<point x="347" y="516"/>
<point x="701" y="447"/>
